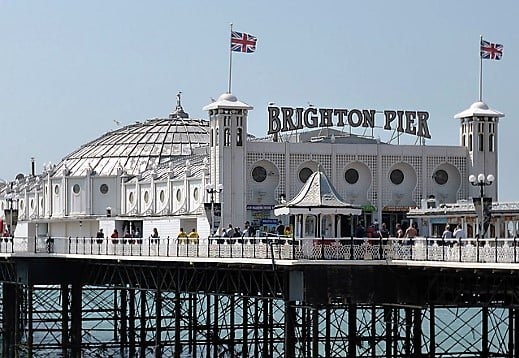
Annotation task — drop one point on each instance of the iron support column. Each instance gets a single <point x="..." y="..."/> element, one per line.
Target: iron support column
<point x="315" y="332"/>
<point x="178" y="318"/>
<point x="131" y="322"/>
<point x="432" y="331"/>
<point x="417" y="332"/>
<point x="143" y="337"/>
<point x="484" y="332"/>
<point x="124" y="322"/>
<point x="65" y="302"/>
<point x="158" y="320"/>
<point x="290" y="336"/>
<point x="76" y="319"/>
<point x="352" y="331"/>
<point x="245" y="349"/>
<point x="408" y="330"/>
<point x="389" y="331"/>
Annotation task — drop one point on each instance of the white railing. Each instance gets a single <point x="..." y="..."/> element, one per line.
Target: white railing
<point x="495" y="250"/>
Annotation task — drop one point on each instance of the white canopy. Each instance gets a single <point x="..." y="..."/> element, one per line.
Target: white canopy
<point x="318" y="196"/>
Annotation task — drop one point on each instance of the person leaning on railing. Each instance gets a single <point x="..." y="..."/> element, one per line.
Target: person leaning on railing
<point x="155" y="236"/>
<point x="182" y="236"/>
<point x="193" y="237"/>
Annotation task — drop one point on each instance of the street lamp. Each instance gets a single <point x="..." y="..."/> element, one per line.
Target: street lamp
<point x="11" y="212"/>
<point x="211" y="190"/>
<point x="483" y="202"/>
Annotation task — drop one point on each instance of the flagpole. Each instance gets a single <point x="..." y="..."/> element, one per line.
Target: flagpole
<point x="230" y="61"/>
<point x="480" y="70"/>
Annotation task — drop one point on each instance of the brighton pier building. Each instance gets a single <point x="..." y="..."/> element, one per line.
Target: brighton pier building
<point x="178" y="172"/>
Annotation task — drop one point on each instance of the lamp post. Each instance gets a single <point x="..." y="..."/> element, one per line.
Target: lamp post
<point x="482" y="182"/>
<point x="11" y="212"/>
<point x="211" y="190"/>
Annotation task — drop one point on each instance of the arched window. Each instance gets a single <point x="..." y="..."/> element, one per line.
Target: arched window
<point x="491" y="143"/>
<point x="481" y="143"/>
<point x="239" y="137"/>
<point x="211" y="143"/>
<point x="226" y="137"/>
<point x="464" y="140"/>
<point x="470" y="142"/>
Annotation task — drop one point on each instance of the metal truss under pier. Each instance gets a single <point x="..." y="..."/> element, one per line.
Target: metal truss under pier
<point x="94" y="308"/>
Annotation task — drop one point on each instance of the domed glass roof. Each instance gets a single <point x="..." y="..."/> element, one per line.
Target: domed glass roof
<point x="137" y="147"/>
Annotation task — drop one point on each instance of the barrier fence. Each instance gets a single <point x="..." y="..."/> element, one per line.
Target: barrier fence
<point x="497" y="250"/>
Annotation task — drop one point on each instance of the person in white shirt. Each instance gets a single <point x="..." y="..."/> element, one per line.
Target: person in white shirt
<point x="459" y="233"/>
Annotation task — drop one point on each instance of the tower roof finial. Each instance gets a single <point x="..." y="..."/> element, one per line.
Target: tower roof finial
<point x="179" y="111"/>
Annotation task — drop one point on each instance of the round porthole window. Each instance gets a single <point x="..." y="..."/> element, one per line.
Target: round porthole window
<point x="103" y="188"/>
<point x="396" y="176"/>
<point x="351" y="176"/>
<point x="130" y="197"/>
<point x="195" y="194"/>
<point x="304" y="174"/>
<point x="76" y="189"/>
<point x="146" y="197"/>
<point x="259" y="174"/>
<point x="56" y="189"/>
<point x="179" y="195"/>
<point x="441" y="177"/>
<point x="32" y="204"/>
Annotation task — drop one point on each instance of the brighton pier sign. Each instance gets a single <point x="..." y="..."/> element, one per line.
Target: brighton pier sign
<point x="284" y="119"/>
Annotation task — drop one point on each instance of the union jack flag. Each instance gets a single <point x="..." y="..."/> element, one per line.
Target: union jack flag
<point x="490" y="51"/>
<point x="242" y="42"/>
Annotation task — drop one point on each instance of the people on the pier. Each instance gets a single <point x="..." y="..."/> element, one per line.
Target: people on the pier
<point x="182" y="236"/>
<point x="100" y="236"/>
<point x="280" y="229"/>
<point x="128" y="237"/>
<point x="248" y="229"/>
<point x="360" y="231"/>
<point x="155" y="236"/>
<point x="411" y="233"/>
<point x="114" y="236"/>
<point x="383" y="232"/>
<point x="229" y="233"/>
<point x="447" y="233"/>
<point x="459" y="233"/>
<point x="193" y="237"/>
<point x="288" y="231"/>
<point x="399" y="232"/>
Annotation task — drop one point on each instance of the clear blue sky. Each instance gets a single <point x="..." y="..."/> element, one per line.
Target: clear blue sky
<point x="69" y="69"/>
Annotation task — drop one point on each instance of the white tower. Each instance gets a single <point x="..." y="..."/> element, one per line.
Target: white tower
<point x="479" y="134"/>
<point x="228" y="148"/>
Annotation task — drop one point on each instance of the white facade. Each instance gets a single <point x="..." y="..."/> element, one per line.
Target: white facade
<point x="159" y="179"/>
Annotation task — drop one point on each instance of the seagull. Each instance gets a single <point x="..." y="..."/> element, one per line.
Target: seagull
<point x="117" y="123"/>
<point x="272" y="103"/>
<point x="309" y="104"/>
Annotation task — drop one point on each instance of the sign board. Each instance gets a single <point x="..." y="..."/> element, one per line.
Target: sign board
<point x="284" y="119"/>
